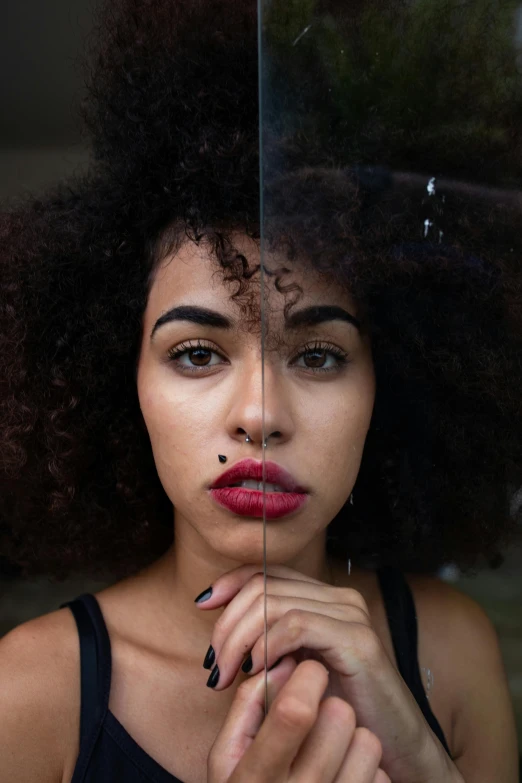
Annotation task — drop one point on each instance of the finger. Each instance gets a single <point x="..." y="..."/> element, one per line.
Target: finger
<point x="345" y="646"/>
<point x="248" y="581"/>
<point x="249" y="629"/>
<point x="254" y="591"/>
<point x="289" y="721"/>
<point x="225" y="587"/>
<point x="362" y="759"/>
<point x="244" y="720"/>
<point x="364" y="675"/>
<point x="324" y="750"/>
<point x="381" y="777"/>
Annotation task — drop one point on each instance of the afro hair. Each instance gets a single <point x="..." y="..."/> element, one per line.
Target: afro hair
<point x="173" y="119"/>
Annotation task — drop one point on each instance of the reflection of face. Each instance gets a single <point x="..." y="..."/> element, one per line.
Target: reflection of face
<point x="200" y="386"/>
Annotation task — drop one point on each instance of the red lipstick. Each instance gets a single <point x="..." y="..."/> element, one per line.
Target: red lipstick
<point x="236" y="490"/>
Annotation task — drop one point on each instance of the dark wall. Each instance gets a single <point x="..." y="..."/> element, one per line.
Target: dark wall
<point x="40" y="42"/>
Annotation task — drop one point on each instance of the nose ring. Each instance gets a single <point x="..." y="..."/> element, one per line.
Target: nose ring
<point x="248" y="439"/>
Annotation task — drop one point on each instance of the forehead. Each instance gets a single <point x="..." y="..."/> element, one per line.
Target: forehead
<point x="194" y="276"/>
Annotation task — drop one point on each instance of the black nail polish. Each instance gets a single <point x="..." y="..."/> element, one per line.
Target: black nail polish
<point x="209" y="658"/>
<point x="247" y="664"/>
<point x="204" y="596"/>
<point x="222" y="458"/>
<point x="276" y="663"/>
<point x="214" y="677"/>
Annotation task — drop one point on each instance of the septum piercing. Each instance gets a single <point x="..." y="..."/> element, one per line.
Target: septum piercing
<point x="248" y="439"/>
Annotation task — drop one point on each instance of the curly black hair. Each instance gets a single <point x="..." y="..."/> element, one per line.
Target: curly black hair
<point x="173" y="118"/>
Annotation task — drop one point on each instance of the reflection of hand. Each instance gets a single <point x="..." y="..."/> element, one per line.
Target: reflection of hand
<point x="301" y="738"/>
<point x="316" y="620"/>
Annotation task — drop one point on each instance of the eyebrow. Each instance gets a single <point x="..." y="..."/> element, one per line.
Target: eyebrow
<point x="203" y="316"/>
<point x="312" y="316"/>
<point x="196" y="315"/>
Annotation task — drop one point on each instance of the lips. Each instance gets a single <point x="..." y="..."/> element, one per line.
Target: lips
<point x="240" y="489"/>
<point x="251" y="469"/>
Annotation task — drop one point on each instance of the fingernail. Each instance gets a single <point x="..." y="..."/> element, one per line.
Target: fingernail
<point x="204" y="596"/>
<point x="276" y="663"/>
<point x="247" y="664"/>
<point x="209" y="658"/>
<point x="214" y="677"/>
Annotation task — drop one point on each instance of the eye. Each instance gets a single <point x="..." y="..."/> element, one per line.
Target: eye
<point x="321" y="357"/>
<point x="195" y="357"/>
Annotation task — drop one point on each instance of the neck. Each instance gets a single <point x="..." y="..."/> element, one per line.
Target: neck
<point x="191" y="565"/>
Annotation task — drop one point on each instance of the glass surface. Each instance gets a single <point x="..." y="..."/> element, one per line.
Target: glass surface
<point x="390" y="146"/>
<point x="391" y="164"/>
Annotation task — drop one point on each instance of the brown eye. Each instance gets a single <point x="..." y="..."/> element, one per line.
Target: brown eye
<point x="315" y="358"/>
<point x="192" y="358"/>
<point x="199" y="357"/>
<point x="321" y="358"/>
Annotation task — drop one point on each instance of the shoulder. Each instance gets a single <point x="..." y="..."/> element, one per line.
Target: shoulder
<point x="457" y="634"/>
<point x="39" y="698"/>
<point x="441" y="606"/>
<point x="461" y="644"/>
<point x="446" y="614"/>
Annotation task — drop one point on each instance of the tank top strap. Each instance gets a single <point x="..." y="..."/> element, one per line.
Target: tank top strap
<point x="402" y="620"/>
<point x="95" y="670"/>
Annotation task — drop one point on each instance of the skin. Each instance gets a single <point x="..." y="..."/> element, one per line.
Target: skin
<point x="159" y="636"/>
<point x="192" y="415"/>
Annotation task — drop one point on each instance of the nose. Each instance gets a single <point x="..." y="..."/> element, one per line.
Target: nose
<point x="245" y="417"/>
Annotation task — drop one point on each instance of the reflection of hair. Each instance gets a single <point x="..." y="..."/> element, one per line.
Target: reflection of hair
<point x="445" y="443"/>
<point x="174" y="123"/>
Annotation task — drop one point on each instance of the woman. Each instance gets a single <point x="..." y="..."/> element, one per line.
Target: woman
<point x="133" y="375"/>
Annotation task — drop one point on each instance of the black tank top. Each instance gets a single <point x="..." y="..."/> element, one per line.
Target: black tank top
<point x="108" y="754"/>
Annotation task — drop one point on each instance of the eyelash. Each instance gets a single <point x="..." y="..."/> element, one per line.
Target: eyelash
<point x="341" y="357"/>
<point x="175" y="353"/>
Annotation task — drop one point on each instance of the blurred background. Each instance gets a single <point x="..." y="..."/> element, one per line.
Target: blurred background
<point x="41" y="142"/>
<point x="40" y="85"/>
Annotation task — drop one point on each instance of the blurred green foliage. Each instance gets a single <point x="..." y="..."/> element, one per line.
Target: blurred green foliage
<point x="418" y="83"/>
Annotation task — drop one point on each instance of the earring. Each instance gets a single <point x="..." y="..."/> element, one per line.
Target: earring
<point x="222" y="458"/>
<point x="351" y="499"/>
<point x="349" y="566"/>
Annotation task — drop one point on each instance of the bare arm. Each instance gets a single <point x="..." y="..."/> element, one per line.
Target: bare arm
<point x="484" y="741"/>
<point x="36" y="701"/>
<point x="485" y="734"/>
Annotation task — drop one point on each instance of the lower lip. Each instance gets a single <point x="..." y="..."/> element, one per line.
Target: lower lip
<point x="249" y="502"/>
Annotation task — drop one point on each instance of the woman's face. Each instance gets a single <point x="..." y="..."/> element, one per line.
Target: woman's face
<point x="200" y="391"/>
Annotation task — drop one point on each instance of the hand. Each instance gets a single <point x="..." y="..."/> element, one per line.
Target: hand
<point x="332" y="624"/>
<point x="301" y="738"/>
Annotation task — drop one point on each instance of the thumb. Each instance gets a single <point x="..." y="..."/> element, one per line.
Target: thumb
<point x="244" y="720"/>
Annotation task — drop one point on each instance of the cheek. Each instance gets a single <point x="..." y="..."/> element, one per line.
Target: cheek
<point x="339" y="433"/>
<point x="336" y="433"/>
<point x="174" y="424"/>
<point x="342" y="414"/>
<point x="181" y="424"/>
<point x="171" y="410"/>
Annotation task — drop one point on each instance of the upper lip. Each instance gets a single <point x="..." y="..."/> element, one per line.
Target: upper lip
<point x="253" y="469"/>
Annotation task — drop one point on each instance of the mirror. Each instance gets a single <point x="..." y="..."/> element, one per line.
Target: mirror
<point x="354" y="171"/>
<point x="391" y="213"/>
